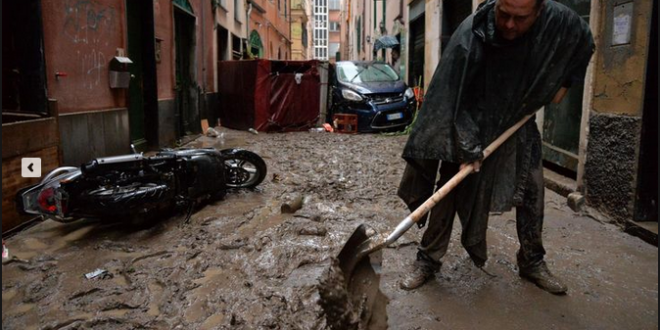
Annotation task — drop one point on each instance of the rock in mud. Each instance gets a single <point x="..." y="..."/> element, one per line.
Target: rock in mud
<point x="292" y="204"/>
<point x="313" y="230"/>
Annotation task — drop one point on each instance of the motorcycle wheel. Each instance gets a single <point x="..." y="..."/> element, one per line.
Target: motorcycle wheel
<point x="244" y="169"/>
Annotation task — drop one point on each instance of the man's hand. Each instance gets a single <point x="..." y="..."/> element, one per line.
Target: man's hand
<point x="476" y="166"/>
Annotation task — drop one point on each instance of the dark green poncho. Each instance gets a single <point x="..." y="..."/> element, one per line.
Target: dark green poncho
<point x="481" y="87"/>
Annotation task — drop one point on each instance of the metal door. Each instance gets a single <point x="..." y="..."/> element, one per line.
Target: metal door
<point x="646" y="204"/>
<point x="135" y="92"/>
<point x="416" y="73"/>
<point x="23" y="65"/>
<point x="561" y="122"/>
<point x="187" y="96"/>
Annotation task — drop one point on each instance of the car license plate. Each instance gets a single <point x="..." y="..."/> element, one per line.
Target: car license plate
<point x="395" y="116"/>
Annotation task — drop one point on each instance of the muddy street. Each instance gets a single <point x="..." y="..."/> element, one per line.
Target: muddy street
<point x="243" y="264"/>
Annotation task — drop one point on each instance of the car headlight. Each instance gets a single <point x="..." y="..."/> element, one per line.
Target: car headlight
<point x="409" y="94"/>
<point x="351" y="95"/>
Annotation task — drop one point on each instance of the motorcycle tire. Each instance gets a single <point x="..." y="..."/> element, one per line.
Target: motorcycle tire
<point x="244" y="169"/>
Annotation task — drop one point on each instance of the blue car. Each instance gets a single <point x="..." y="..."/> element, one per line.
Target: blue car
<point x="374" y="92"/>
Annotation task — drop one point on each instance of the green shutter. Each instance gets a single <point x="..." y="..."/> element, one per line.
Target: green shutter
<point x="184" y="5"/>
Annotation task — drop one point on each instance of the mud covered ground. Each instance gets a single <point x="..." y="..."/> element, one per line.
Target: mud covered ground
<point x="241" y="264"/>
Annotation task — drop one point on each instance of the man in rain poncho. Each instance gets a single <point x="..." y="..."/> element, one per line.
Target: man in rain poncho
<point x="506" y="60"/>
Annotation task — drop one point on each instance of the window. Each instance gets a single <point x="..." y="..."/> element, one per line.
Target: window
<point x="320" y="26"/>
<point x="334" y="26"/>
<point x="237" y="10"/>
<point x="219" y="3"/>
<point x="236" y="47"/>
<point x="376" y="72"/>
<point x="358" y="36"/>
<point x="333" y="48"/>
<point x="304" y="37"/>
<point x="335" y="5"/>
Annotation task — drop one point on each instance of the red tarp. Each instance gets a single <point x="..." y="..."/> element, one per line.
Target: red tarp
<point x="266" y="95"/>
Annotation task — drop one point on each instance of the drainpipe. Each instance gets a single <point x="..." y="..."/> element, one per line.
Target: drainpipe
<point x="375" y="16"/>
<point x="202" y="100"/>
<point x="384" y="31"/>
<point x="247" y="27"/>
<point x="203" y="50"/>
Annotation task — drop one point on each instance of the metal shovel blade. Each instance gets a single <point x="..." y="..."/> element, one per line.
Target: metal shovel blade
<point x="349" y="255"/>
<point x="361" y="268"/>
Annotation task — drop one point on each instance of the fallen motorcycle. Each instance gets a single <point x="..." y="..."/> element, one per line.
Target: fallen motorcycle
<point x="138" y="188"/>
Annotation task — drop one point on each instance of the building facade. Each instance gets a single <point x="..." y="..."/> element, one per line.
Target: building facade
<point x="270" y="33"/>
<point x="231" y="30"/>
<point x="334" y="29"/>
<point x="299" y="34"/>
<point x="321" y="33"/>
<point x="94" y="77"/>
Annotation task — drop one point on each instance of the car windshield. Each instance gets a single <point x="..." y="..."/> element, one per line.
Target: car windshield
<point x="365" y="72"/>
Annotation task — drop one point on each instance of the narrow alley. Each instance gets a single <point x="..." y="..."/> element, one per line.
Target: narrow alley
<point x="250" y="164"/>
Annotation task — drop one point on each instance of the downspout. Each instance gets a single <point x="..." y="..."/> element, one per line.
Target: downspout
<point x="375" y="16"/>
<point x="203" y="100"/>
<point x="384" y="31"/>
<point x="247" y="28"/>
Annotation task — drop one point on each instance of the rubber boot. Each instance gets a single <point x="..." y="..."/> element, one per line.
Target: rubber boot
<point x="417" y="277"/>
<point x="544" y="279"/>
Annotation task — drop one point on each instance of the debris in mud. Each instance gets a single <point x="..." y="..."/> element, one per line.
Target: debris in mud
<point x="15" y="259"/>
<point x="211" y="132"/>
<point x="292" y="204"/>
<point x="313" y="230"/>
<point x="96" y="273"/>
<point x="276" y="178"/>
<point x="232" y="245"/>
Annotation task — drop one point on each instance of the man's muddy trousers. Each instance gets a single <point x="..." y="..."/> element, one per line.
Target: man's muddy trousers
<point x="529" y="222"/>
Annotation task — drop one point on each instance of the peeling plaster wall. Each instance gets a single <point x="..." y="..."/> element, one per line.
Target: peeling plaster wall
<point x="619" y="77"/>
<point x="616" y="115"/>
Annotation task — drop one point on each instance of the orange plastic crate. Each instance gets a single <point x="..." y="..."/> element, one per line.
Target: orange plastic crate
<point x="345" y="123"/>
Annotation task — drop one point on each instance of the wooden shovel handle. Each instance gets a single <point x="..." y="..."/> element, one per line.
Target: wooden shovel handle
<point x="462" y="174"/>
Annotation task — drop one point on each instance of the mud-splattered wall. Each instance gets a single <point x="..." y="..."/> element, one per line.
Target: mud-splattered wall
<point x="618" y="97"/>
<point x="610" y="171"/>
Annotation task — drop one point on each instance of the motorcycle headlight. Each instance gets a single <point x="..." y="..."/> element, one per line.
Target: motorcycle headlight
<point x="409" y="94"/>
<point x="351" y="95"/>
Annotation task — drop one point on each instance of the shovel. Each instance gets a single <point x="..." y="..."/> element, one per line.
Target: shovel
<point x="360" y="244"/>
